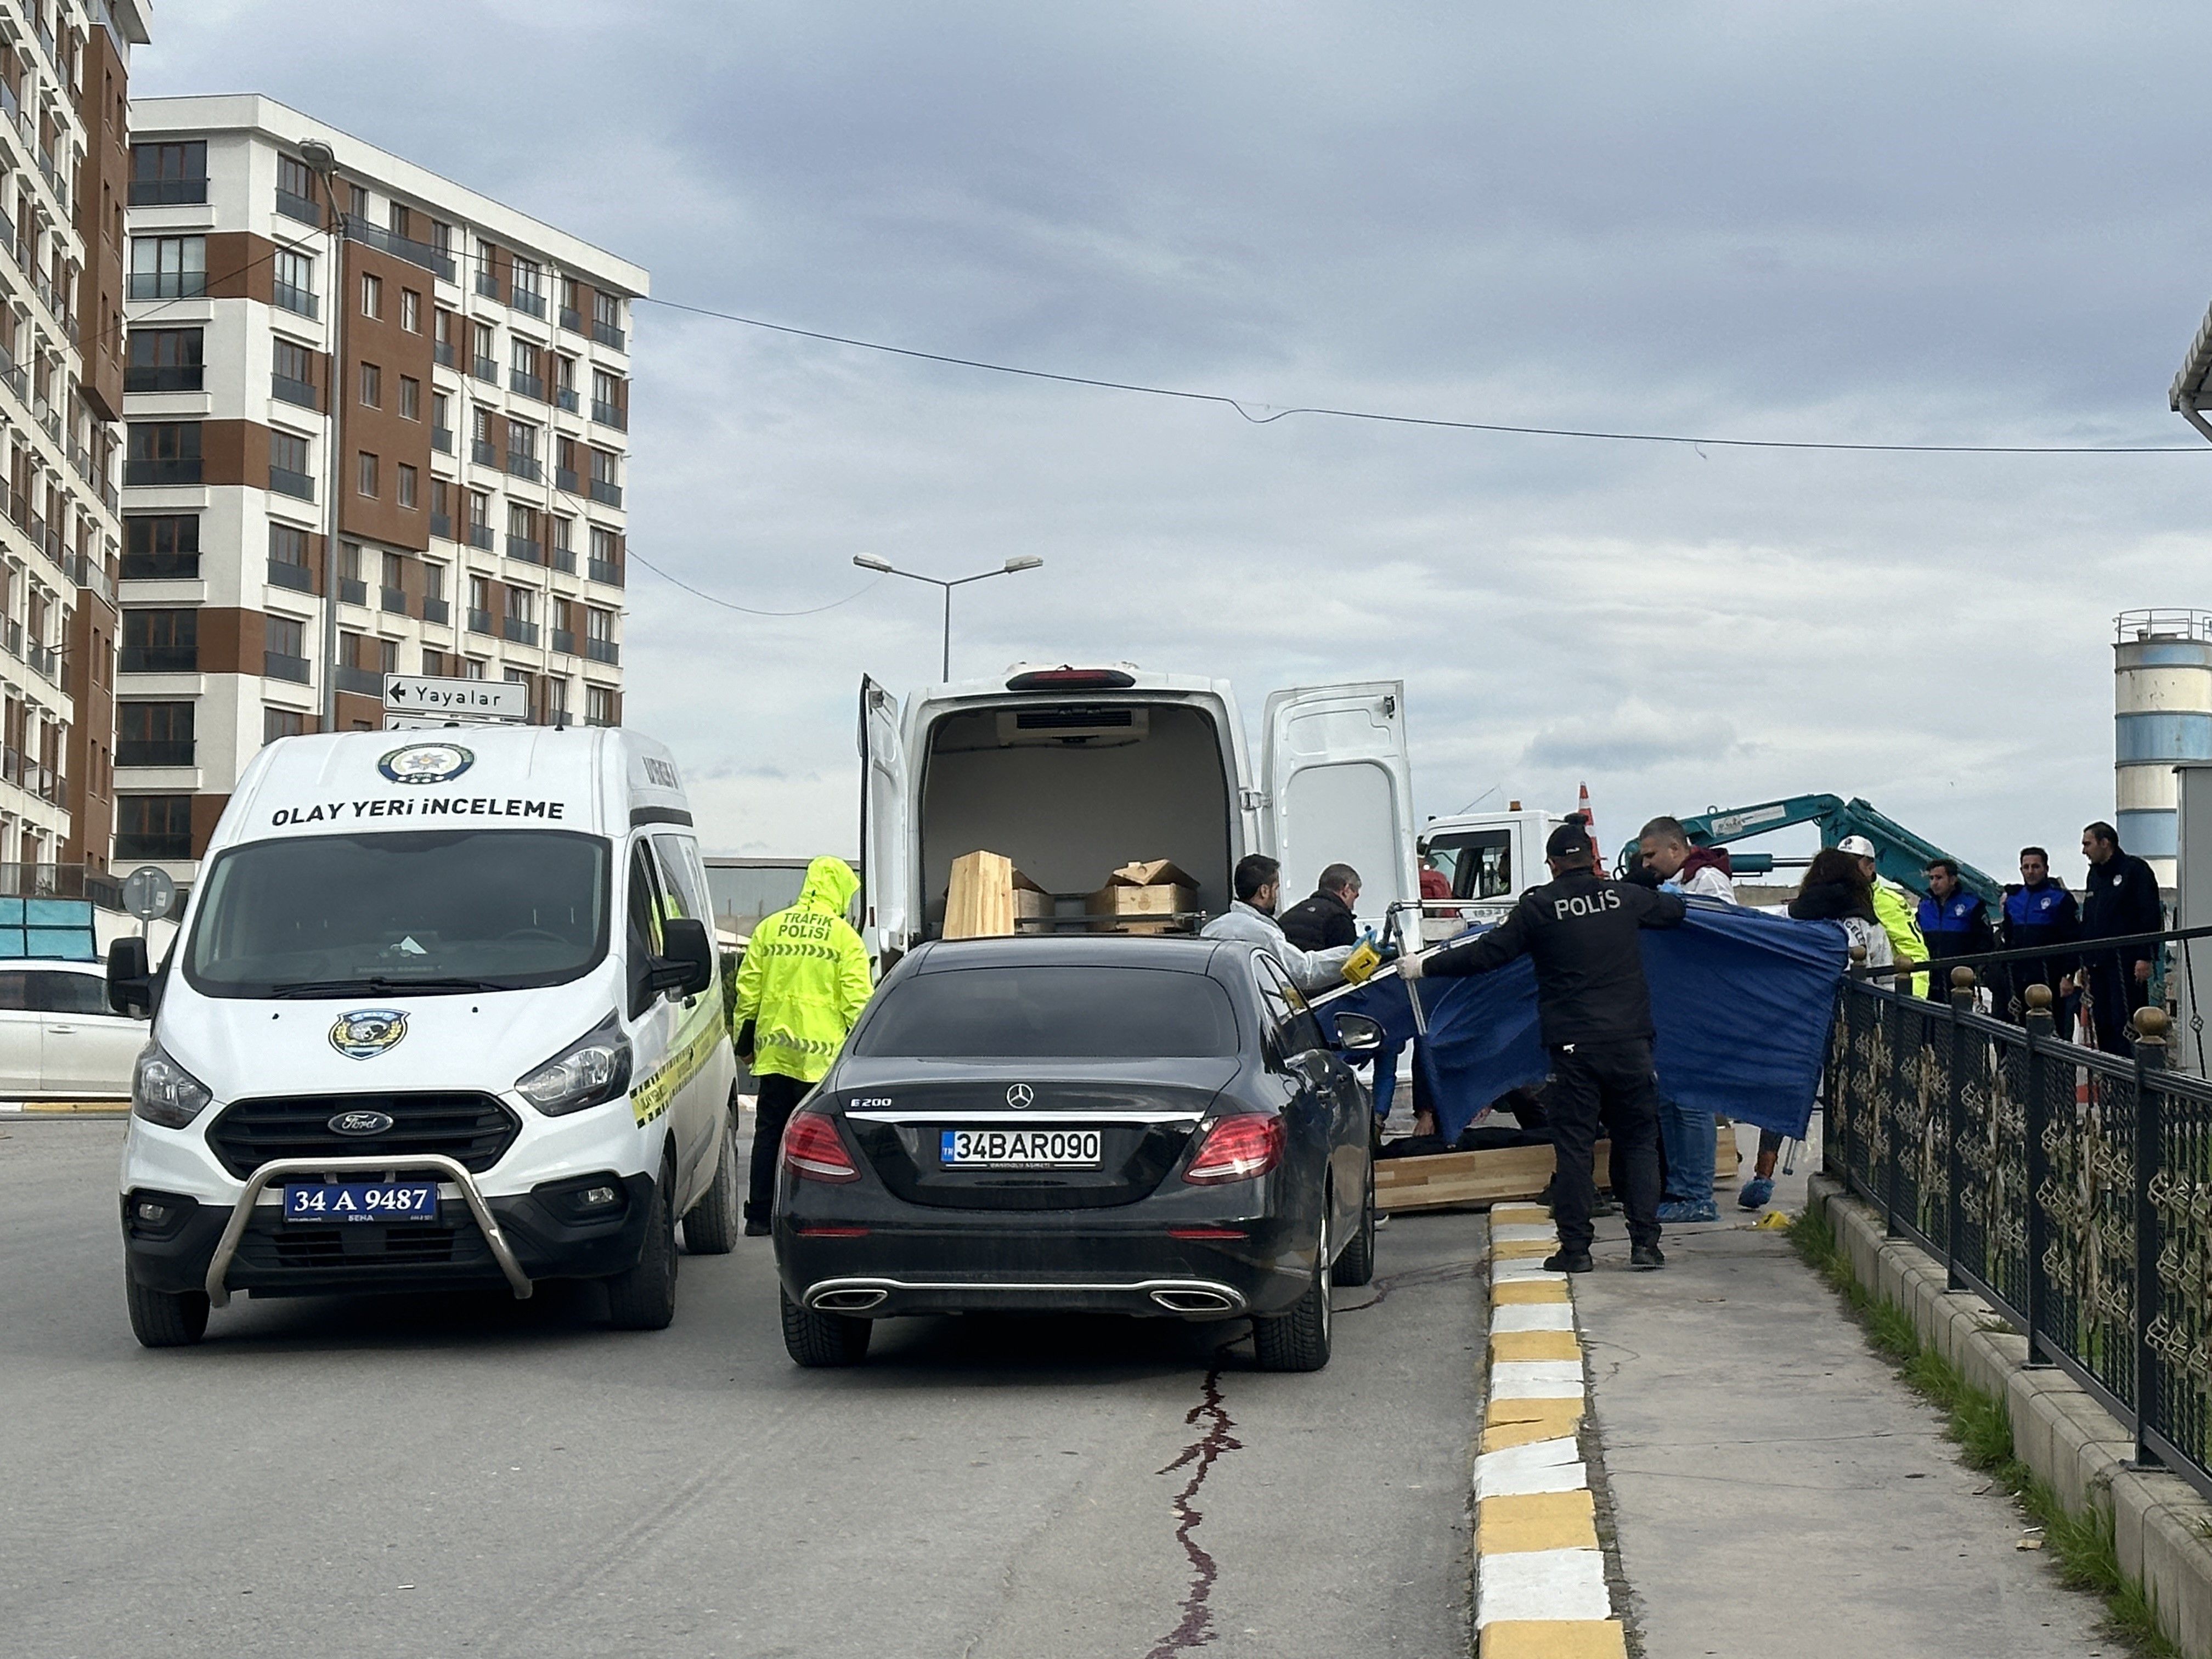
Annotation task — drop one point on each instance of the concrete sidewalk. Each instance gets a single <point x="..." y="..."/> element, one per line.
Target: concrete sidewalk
<point x="1776" y="1489"/>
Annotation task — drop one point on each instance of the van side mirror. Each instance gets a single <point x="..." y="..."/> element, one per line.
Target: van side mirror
<point x="1357" y="1034"/>
<point x="130" y="979"/>
<point x="686" y="963"/>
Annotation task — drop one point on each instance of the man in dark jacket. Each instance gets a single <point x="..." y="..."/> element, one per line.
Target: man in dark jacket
<point x="1324" y="921"/>
<point x="2039" y="913"/>
<point x="1596" y="1011"/>
<point x="2122" y="899"/>
<point x="1953" y="920"/>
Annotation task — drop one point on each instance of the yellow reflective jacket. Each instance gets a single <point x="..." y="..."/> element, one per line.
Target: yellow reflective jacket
<point x="804" y="977"/>
<point x="1891" y="910"/>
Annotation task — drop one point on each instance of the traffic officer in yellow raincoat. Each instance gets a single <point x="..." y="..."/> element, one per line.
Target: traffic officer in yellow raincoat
<point x="802" y="984"/>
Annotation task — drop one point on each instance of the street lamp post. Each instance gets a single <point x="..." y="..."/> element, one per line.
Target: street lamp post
<point x="324" y="165"/>
<point x="870" y="562"/>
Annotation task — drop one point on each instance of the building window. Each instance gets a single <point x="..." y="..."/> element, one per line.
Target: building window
<point x="365" y="474"/>
<point x="357" y="201"/>
<point x="410" y="311"/>
<point x="285" y="650"/>
<point x="433" y="581"/>
<point x="282" y="723"/>
<point x="372" y="295"/>
<point x="488" y="268"/>
<point x="411" y="398"/>
<point x="160" y="642"/>
<point x="163" y="453"/>
<point x="153" y="734"/>
<point x="293" y="281"/>
<point x="169" y="267"/>
<point x="287" y="545"/>
<point x="598" y="705"/>
<point x="153" y="827"/>
<point x="606" y="319"/>
<point x="288" y="466"/>
<point x="372" y="386"/>
<point x="433" y="663"/>
<point x="479" y="606"/>
<point x="157" y="549"/>
<point x="165" y="359"/>
<point x="604" y="486"/>
<point x="292" y="372"/>
<point x="480" y="514"/>
<point x="164" y="174"/>
<point x="522" y="364"/>
<point x="295" y="191"/>
<point x="405" y="485"/>
<point x="486" y="366"/>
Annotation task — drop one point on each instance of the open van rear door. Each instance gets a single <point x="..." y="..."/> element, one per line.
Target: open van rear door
<point x="1340" y="789"/>
<point x="885" y="834"/>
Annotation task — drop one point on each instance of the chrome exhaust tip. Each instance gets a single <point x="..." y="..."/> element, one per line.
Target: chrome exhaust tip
<point x="1193" y="1301"/>
<point x="850" y="1301"/>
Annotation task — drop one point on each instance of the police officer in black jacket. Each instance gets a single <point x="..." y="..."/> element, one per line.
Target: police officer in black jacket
<point x="2122" y="899"/>
<point x="1581" y="931"/>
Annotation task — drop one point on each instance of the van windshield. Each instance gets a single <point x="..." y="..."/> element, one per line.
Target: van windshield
<point x="411" y="913"/>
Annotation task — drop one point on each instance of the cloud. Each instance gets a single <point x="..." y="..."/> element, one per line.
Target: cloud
<point x="1631" y="738"/>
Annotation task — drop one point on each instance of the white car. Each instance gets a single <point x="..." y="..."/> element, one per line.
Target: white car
<point x="59" y="1037"/>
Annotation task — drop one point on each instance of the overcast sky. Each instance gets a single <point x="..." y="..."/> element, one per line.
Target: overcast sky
<point x="1917" y="222"/>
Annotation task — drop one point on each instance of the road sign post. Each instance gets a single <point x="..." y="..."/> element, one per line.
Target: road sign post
<point x="417" y="700"/>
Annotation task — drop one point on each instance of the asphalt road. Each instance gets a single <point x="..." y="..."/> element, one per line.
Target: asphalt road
<point x="469" y="1475"/>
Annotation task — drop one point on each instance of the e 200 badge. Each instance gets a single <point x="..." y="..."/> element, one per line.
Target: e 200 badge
<point x="368" y="1032"/>
<point x="426" y="762"/>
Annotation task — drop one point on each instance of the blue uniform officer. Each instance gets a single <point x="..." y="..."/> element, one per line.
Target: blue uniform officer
<point x="1953" y="920"/>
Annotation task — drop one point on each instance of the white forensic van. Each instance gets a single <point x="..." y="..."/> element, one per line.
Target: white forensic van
<point x="1073" y="771"/>
<point x="443" y="1011"/>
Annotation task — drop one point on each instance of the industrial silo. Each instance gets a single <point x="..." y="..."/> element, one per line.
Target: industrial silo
<point x="2162" y="715"/>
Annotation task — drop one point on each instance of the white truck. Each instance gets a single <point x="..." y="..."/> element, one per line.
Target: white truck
<point x="1072" y="771"/>
<point x="1490" y="859"/>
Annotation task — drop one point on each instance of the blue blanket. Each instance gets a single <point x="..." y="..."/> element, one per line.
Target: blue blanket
<point x="1740" y="1001"/>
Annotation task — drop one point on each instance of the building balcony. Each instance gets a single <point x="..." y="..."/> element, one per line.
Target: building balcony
<point x="44" y="659"/>
<point x="157" y="659"/>
<point x="11" y="638"/>
<point x="299" y="207"/>
<point x="486" y="282"/>
<point x="606" y="651"/>
<point x="481" y="453"/>
<point x="161" y="567"/>
<point x="572" y="320"/>
<point x="164" y="847"/>
<point x="607" y="495"/>
<point x="437" y="610"/>
<point x="292" y="299"/>
<point x="563" y="558"/>
<point x="521" y="547"/>
<point x="164" y="285"/>
<point x="608" y="335"/>
<point x="564" y="641"/>
<point x="518" y="631"/>
<point x="301" y="393"/>
<point x="564" y="480"/>
<point x="530" y="386"/>
<point x="363" y="682"/>
<point x="479" y="621"/>
<point x="442" y="351"/>
<point x="486" y="369"/>
<point x="402" y="247"/>
<point x="154" y="751"/>
<point x="181" y="378"/>
<point x="480" y="536"/>
<point x="613" y="414"/>
<point x="523" y="299"/>
<point x="525" y="466"/>
<point x="167" y="192"/>
<point x="441" y="439"/>
<point x="394" y="600"/>
<point x="184" y="471"/>
<point x="278" y="666"/>
<point x="282" y="573"/>
<point x="353" y="591"/>
<point x="281" y="479"/>
<point x="605" y="570"/>
<point x="441" y="524"/>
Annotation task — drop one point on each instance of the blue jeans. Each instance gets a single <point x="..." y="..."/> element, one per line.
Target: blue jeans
<point x="1686" y="1136"/>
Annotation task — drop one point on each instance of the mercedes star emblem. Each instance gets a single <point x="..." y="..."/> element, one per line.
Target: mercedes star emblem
<point x="1020" y="1097"/>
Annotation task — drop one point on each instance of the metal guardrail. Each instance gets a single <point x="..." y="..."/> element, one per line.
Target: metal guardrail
<point x="2070" y="1189"/>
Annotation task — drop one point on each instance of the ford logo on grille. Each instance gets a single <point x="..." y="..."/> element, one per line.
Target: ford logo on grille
<point x="361" y="1123"/>
<point x="1020" y="1095"/>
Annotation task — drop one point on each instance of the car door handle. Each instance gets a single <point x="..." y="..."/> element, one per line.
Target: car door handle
<point x="61" y="1031"/>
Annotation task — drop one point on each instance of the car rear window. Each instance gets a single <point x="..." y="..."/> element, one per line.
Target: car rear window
<point x="1046" y="1013"/>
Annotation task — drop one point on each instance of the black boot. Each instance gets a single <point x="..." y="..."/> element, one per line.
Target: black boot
<point x="1645" y="1257"/>
<point x="1568" y="1262"/>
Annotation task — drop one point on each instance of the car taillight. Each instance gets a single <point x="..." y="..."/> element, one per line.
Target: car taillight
<point x="1238" y="1148"/>
<point x="813" y="1150"/>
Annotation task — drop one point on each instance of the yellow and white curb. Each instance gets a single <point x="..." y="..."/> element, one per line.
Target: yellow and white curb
<point x="1540" y="1575"/>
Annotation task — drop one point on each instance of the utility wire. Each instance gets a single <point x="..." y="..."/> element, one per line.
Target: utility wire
<point x="727" y="604"/>
<point x="1240" y="406"/>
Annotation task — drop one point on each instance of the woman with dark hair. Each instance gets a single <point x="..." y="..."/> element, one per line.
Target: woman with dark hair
<point x="1837" y="889"/>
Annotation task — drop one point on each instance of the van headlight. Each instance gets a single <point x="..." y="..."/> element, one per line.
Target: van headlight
<point x="164" y="1092"/>
<point x="593" y="1068"/>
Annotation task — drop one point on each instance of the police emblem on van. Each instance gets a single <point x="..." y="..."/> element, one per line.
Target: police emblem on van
<point x="368" y="1032"/>
<point x="426" y="762"/>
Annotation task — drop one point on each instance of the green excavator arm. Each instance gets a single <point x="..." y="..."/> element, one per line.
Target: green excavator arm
<point x="1899" y="854"/>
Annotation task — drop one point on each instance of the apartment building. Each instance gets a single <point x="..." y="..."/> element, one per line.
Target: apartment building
<point x="331" y="347"/>
<point x="64" y="179"/>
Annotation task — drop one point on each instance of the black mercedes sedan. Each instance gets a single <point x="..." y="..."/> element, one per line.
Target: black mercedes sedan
<point x="1134" y="1125"/>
